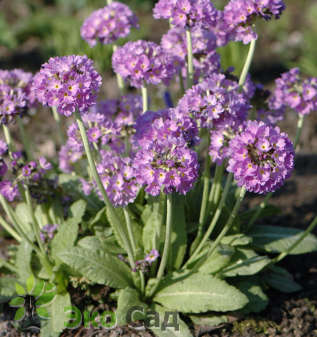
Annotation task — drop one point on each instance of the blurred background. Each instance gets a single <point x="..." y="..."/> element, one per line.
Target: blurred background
<point x="34" y="30"/>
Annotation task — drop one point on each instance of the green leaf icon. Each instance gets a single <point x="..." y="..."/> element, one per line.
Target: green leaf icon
<point x="45" y="299"/>
<point x="39" y="288"/>
<point x="19" y="289"/>
<point x="30" y="283"/>
<point x="19" y="314"/>
<point x="17" y="302"/>
<point x="42" y="312"/>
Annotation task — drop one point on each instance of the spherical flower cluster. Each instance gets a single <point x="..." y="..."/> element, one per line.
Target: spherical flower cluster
<point x="261" y="157"/>
<point x="165" y="161"/>
<point x="239" y="15"/>
<point x="206" y="60"/>
<point x="48" y="232"/>
<point x="108" y="24"/>
<point x="186" y="13"/>
<point x="297" y="93"/>
<point x="15" y="96"/>
<point x="143" y="62"/>
<point x="216" y="102"/>
<point x="68" y="83"/>
<point x="118" y="177"/>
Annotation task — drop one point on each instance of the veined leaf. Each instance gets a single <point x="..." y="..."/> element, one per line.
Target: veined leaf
<point x="199" y="293"/>
<point x="109" y="245"/>
<point x="208" y="320"/>
<point x="23" y="260"/>
<point x="98" y="266"/>
<point x="236" y="240"/>
<point x="275" y="239"/>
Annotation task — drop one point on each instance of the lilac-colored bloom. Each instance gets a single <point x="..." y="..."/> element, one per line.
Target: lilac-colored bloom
<point x="3" y="167"/>
<point x="152" y="256"/>
<point x="165" y="160"/>
<point x="9" y="190"/>
<point x="86" y="186"/>
<point x="294" y="92"/>
<point x="44" y="164"/>
<point x="68" y="83"/>
<point x="48" y="232"/>
<point x="3" y="148"/>
<point x="108" y="24"/>
<point x="239" y="16"/>
<point x="261" y="157"/>
<point x="142" y="62"/>
<point x="186" y="13"/>
<point x="14" y="93"/>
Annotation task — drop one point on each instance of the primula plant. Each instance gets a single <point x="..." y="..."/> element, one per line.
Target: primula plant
<point x="146" y="199"/>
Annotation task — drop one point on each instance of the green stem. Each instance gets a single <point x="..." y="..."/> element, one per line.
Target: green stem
<point x="309" y="229"/>
<point x="145" y="99"/>
<point x="181" y="84"/>
<point x="129" y="227"/>
<point x="101" y="188"/>
<point x="229" y="223"/>
<point x="214" y="219"/>
<point x="120" y="80"/>
<point x="109" y="2"/>
<point x="58" y="121"/>
<point x="247" y="63"/>
<point x="215" y="192"/>
<point x="9" y="266"/>
<point x="168" y="232"/>
<point x="8" y="138"/>
<point x="299" y="129"/>
<point x="9" y="229"/>
<point x="25" y="140"/>
<point x="190" y="63"/>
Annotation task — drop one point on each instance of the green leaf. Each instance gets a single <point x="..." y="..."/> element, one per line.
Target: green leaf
<point x="128" y="298"/>
<point x="199" y="293"/>
<point x="23" y="260"/>
<point x="39" y="287"/>
<point x="109" y="245"/>
<point x="182" y="331"/>
<point x="58" y="317"/>
<point x="17" y="302"/>
<point x="100" y="216"/>
<point x="19" y="289"/>
<point x="98" y="266"/>
<point x="258" y="300"/>
<point x="236" y="240"/>
<point x="153" y="217"/>
<point x="219" y="260"/>
<point x="179" y="235"/>
<point x="209" y="320"/>
<point x="7" y="288"/>
<point x="43" y="313"/>
<point x="275" y="239"/>
<point x="280" y="279"/>
<point x="19" y="314"/>
<point x="30" y="283"/>
<point x="24" y="217"/>
<point x="45" y="299"/>
<point x="117" y="227"/>
<point x="68" y="231"/>
<point x="245" y="262"/>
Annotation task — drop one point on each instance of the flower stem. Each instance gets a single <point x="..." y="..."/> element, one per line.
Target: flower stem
<point x="247" y="63"/>
<point x="9" y="229"/>
<point x="9" y="266"/>
<point x="216" y="188"/>
<point x="229" y="223"/>
<point x="190" y="63"/>
<point x="120" y="80"/>
<point x="263" y="204"/>
<point x="58" y="121"/>
<point x="8" y="138"/>
<point x="309" y="229"/>
<point x="214" y="219"/>
<point x="181" y="83"/>
<point x="25" y="140"/>
<point x="102" y="190"/>
<point x="145" y="98"/>
<point x="129" y="227"/>
<point x="168" y="232"/>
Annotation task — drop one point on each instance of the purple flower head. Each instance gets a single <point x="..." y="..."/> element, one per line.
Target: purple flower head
<point x="216" y="102"/>
<point x="186" y="13"/>
<point x="3" y="168"/>
<point x="261" y="157"/>
<point x="67" y="83"/>
<point x="294" y="92"/>
<point x="14" y="93"/>
<point x="48" y="232"/>
<point x="3" y="148"/>
<point x="9" y="190"/>
<point x="108" y="24"/>
<point x="118" y="178"/>
<point x="44" y="164"/>
<point x="164" y="160"/>
<point x="143" y="62"/>
<point x="239" y="16"/>
<point x="152" y="256"/>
